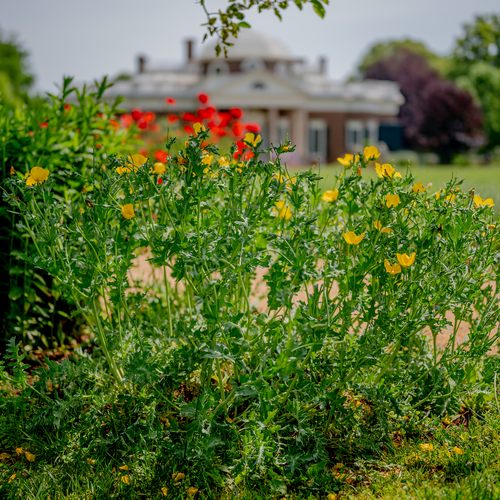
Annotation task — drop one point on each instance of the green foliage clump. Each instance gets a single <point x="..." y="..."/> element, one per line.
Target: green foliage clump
<point x="360" y="282"/>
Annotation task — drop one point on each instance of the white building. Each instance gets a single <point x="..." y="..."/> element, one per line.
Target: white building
<point x="283" y="94"/>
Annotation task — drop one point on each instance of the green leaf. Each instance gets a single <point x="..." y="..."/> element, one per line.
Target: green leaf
<point x="318" y="8"/>
<point x="15" y="293"/>
<point x="243" y="24"/>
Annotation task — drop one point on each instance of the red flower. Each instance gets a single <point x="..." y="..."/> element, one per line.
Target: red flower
<point x="170" y="100"/>
<point x="114" y="124"/>
<point x="253" y="127"/>
<point x="154" y="127"/>
<point x="136" y="114"/>
<point x="98" y="146"/>
<point x="249" y="154"/>
<point x="190" y="117"/>
<point x="126" y="120"/>
<point x="188" y="129"/>
<point x="224" y="119"/>
<point x="203" y="98"/>
<point x="160" y="181"/>
<point x="237" y="129"/>
<point x="143" y="152"/>
<point x="31" y="133"/>
<point x="149" y="117"/>
<point x="142" y="124"/>
<point x="67" y="107"/>
<point x="236" y="113"/>
<point x="44" y="125"/>
<point x="161" y="155"/>
<point x="203" y="114"/>
<point x="172" y="118"/>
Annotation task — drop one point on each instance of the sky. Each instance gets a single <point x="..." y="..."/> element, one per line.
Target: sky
<point x="92" y="38"/>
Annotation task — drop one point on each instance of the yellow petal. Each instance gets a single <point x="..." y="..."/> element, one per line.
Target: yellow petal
<point x="395" y="269"/>
<point x="392" y="200"/>
<point x="330" y="195"/>
<point x="126" y="479"/>
<point x="124" y="467"/>
<point x="427" y="446"/>
<point x="371" y="153"/>
<point x="136" y="160"/>
<point x="418" y="188"/>
<point x="406" y="260"/>
<point x="351" y="238"/>
<point x="159" y="168"/>
<point x="29" y="456"/>
<point x="11" y="478"/>
<point x="249" y="137"/>
<point x="198" y="127"/>
<point x="164" y="491"/>
<point x="19" y="451"/>
<point x="378" y="225"/>
<point x="457" y="450"/>
<point x="179" y="476"/>
<point x="128" y="211"/>
<point x="192" y="491"/>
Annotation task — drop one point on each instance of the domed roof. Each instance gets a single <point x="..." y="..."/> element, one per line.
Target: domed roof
<point x="250" y="44"/>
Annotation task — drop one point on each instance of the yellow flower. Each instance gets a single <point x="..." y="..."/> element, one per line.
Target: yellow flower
<point x="392" y="200"/>
<point x="36" y="176"/>
<point x="395" y="269"/>
<point x="126" y="479"/>
<point x="128" y="211"/>
<point x="348" y="159"/>
<point x="331" y="496"/>
<point x="418" y="188"/>
<point x="457" y="450"/>
<point x="406" y="260"/>
<point x="330" y="195"/>
<point x="378" y="225"/>
<point x="19" y="451"/>
<point x="198" y="127"/>
<point x="397" y="174"/>
<point x="371" y="153"/>
<point x="207" y="160"/>
<point x="164" y="491"/>
<point x="385" y="170"/>
<point x="12" y="171"/>
<point x="136" y="161"/>
<point x="179" y="476"/>
<point x="29" y="456"/>
<point x="450" y="198"/>
<point x="223" y="162"/>
<point x="427" y="446"/>
<point x="480" y="202"/>
<point x="11" y="478"/>
<point x="158" y="168"/>
<point x="90" y="461"/>
<point x="251" y="139"/>
<point x="283" y="211"/>
<point x="351" y="238"/>
<point x="124" y="467"/>
<point x="192" y="491"/>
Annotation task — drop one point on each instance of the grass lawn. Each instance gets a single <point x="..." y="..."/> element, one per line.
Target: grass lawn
<point x="484" y="179"/>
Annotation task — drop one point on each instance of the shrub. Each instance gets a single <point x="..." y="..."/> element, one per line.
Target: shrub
<point x="275" y="390"/>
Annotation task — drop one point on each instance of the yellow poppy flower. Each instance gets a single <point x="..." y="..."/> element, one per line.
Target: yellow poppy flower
<point x="207" y="160"/>
<point x="223" y="162"/>
<point x="397" y="174"/>
<point x="351" y="238"/>
<point x="418" y="188"/>
<point x="164" y="491"/>
<point x="90" y="461"/>
<point x="384" y="170"/>
<point x="395" y="269"/>
<point x="19" y="451"/>
<point x="251" y="139"/>
<point x="128" y="211"/>
<point x="371" y="153"/>
<point x="11" y="478"/>
<point x="192" y="491"/>
<point x="331" y="496"/>
<point x="179" y="476"/>
<point x="124" y="467"/>
<point x="283" y="211"/>
<point x="348" y="159"/>
<point x="36" y="176"/>
<point x="392" y="200"/>
<point x="136" y="161"/>
<point x="330" y="195"/>
<point x="457" y="450"/>
<point x="406" y="260"/>
<point x="198" y="127"/>
<point x="427" y="446"/>
<point x="12" y="171"/>
<point x="158" y="168"/>
<point x="479" y="202"/>
<point x="29" y="456"/>
<point x="450" y="198"/>
<point x="378" y="225"/>
<point x="126" y="479"/>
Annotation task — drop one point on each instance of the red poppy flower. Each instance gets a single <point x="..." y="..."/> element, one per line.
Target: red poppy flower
<point x="149" y="117"/>
<point x="203" y="114"/>
<point x="188" y="129"/>
<point x="143" y="152"/>
<point x="154" y="127"/>
<point x="236" y="113"/>
<point x="161" y="155"/>
<point x="237" y="129"/>
<point x="31" y="133"/>
<point x="142" y="124"/>
<point x="172" y="118"/>
<point x="203" y="98"/>
<point x="98" y="146"/>
<point x="114" y="123"/>
<point x="126" y="120"/>
<point x="67" y="107"/>
<point x="44" y="125"/>
<point x="136" y="114"/>
<point x="190" y="117"/>
<point x="160" y="181"/>
<point x="249" y="154"/>
<point x="170" y="100"/>
<point x="253" y="127"/>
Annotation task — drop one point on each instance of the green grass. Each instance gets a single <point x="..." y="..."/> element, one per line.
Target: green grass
<point x="484" y="179"/>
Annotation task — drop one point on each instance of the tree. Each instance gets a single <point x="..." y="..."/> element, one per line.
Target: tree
<point x="228" y="22"/>
<point x="15" y="76"/>
<point x="436" y="115"/>
<point x="480" y="43"/>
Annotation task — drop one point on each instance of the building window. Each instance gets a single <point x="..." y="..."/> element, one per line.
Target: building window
<point x="258" y="85"/>
<point x="318" y="139"/>
<point x="371" y="132"/>
<point x="283" y="129"/>
<point x="252" y="65"/>
<point x="354" y="135"/>
<point x="218" y="68"/>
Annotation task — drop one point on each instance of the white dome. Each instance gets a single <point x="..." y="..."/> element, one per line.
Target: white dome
<point x="250" y="44"/>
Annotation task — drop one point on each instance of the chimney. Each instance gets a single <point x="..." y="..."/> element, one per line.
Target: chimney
<point x="322" y="65"/>
<point x="141" y="64"/>
<point x="189" y="47"/>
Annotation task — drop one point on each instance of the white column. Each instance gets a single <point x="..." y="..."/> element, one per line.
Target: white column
<point x="272" y="120"/>
<point x="299" y="135"/>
